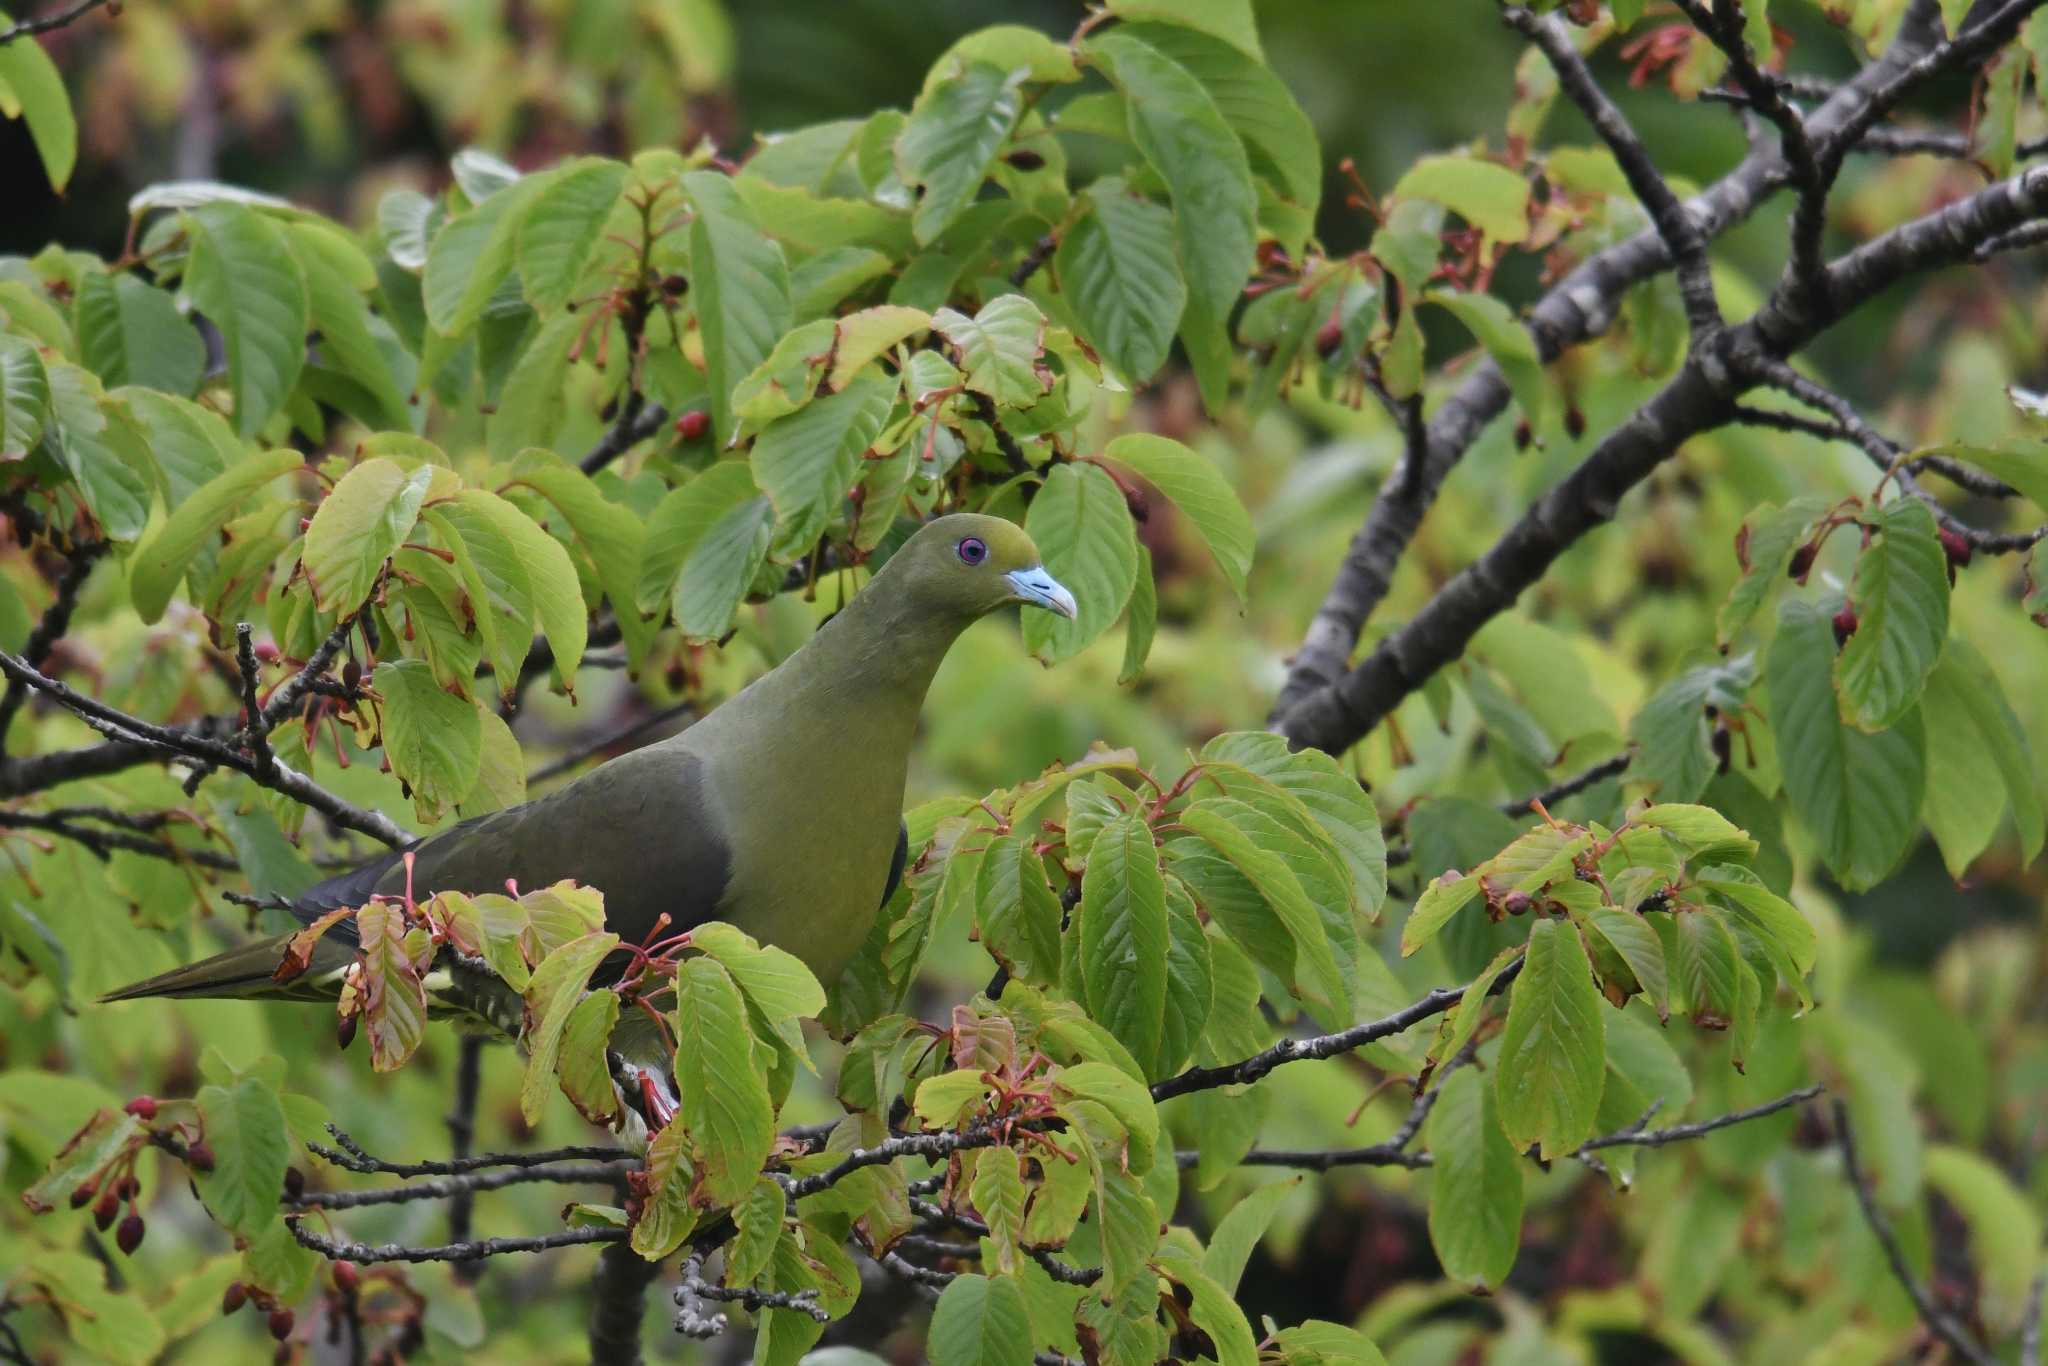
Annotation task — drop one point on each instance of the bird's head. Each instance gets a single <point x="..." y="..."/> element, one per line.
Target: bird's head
<point x="971" y="564"/>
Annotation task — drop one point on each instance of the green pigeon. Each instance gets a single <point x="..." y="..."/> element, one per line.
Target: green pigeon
<point x="779" y="812"/>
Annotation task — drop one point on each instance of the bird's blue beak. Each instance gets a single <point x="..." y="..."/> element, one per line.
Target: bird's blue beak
<point x="1041" y="589"/>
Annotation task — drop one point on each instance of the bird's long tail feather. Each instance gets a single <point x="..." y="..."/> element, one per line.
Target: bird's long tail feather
<point x="245" y="973"/>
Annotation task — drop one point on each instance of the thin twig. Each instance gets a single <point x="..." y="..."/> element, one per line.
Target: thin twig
<point x="341" y="1250"/>
<point x="50" y="627"/>
<point x="50" y="22"/>
<point x="103" y="843"/>
<point x="1636" y="1137"/>
<point x="351" y="1156"/>
<point x="1041" y="251"/>
<point x="456" y="1187"/>
<point x="637" y="421"/>
<point x="1931" y="1314"/>
<point x="256" y="733"/>
<point x="461" y="1122"/>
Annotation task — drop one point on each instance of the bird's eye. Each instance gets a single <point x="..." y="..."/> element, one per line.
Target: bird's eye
<point x="972" y="551"/>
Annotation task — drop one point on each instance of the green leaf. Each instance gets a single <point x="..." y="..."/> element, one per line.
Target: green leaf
<point x="1018" y="912"/>
<point x="2022" y="464"/>
<point x="1637" y="947"/>
<point x="1765" y="912"/>
<point x="1120" y="277"/>
<point x="1125" y="1098"/>
<point x="760" y="1220"/>
<point x="161" y="559"/>
<point x="471" y="255"/>
<point x="609" y="533"/>
<point x="100" y="449"/>
<point x="1463" y="1021"/>
<point x="1279" y="140"/>
<point x="943" y="1099"/>
<point x="1141" y="622"/>
<point x="1180" y="132"/>
<point x="562" y="228"/>
<point x="1200" y="492"/>
<point x="666" y="1216"/>
<point x="581" y="1063"/>
<point x="552" y="997"/>
<point x="1230" y="20"/>
<point x="394" y="998"/>
<point x="24" y="396"/>
<point x="1490" y="197"/>
<point x="1082" y="526"/>
<point x="1316" y="1343"/>
<point x="1513" y="349"/>
<point x="358" y="526"/>
<point x="980" y="1321"/>
<point x="334" y="267"/>
<point x="1212" y="1309"/>
<point x="1698" y="831"/>
<point x="1765" y="545"/>
<point x="1706" y="967"/>
<point x="719" y="569"/>
<point x="680" y="521"/>
<point x="1858" y="794"/>
<point x="433" y="738"/>
<point x="951" y="139"/>
<point x="1001" y="349"/>
<point x="1475" y="1196"/>
<point x="30" y="80"/>
<point x="2005" y="1230"/>
<point x="1221" y="823"/>
<point x="105" y="1135"/>
<point x="1673" y="754"/>
<point x="245" y="1128"/>
<point x="1446" y="895"/>
<point x="725" y="1103"/>
<point x="130" y="332"/>
<point x="1553" y="1060"/>
<point x="557" y="597"/>
<point x="998" y="1194"/>
<point x="1901" y="599"/>
<point x="740" y="284"/>
<point x="806" y="462"/>
<point x="1124" y="937"/>
<point x="1240" y="1231"/>
<point x="1979" y="734"/>
<point x="774" y="980"/>
<point x="242" y="276"/>
<point x="533" y="402"/>
<point x="192" y="445"/>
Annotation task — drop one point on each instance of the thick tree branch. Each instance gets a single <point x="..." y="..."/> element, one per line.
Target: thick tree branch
<point x="637" y="421"/>
<point x="51" y="22"/>
<point x="619" y="1304"/>
<point x="1937" y="1320"/>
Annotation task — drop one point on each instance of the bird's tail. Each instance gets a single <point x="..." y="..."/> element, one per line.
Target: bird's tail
<point x="247" y="973"/>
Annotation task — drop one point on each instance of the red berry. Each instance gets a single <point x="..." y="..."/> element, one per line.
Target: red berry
<point x="1524" y="435"/>
<point x="81" y="1196"/>
<point x="281" y="1321"/>
<point x="345" y="1278"/>
<point x="1956" y="546"/>
<point x="345" y="1032"/>
<point x="1802" y="562"/>
<point x="672" y="285"/>
<point x="128" y="1237"/>
<point x="1329" y="337"/>
<point x="1516" y="903"/>
<point x="199" y="1157"/>
<point x="106" y="1210"/>
<point x="352" y="674"/>
<point x="294" y="1183"/>
<point x="1574" y="422"/>
<point x="266" y="652"/>
<point x="142" y="1107"/>
<point x="234" y="1297"/>
<point x="1024" y="159"/>
<point x="1845" y="625"/>
<point x="692" y="426"/>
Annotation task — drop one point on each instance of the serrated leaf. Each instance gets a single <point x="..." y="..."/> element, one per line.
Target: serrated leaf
<point x="1120" y="276"/>
<point x="951" y="139"/>
<point x="2022" y="464"/>
<point x="563" y="226"/>
<point x="130" y="332"/>
<point x="1768" y="537"/>
<point x="807" y="461"/>
<point x="1141" y="622"/>
<point x="99" y="448"/>
<point x="1123" y="937"/>
<point x="679" y="522"/>
<point x="1333" y="799"/>
<point x="980" y="1321"/>
<point x="553" y="998"/>
<point x="1475" y="1196"/>
<point x="740" y="284"/>
<point x="551" y="577"/>
<point x="1673" y="753"/>
<point x="31" y="82"/>
<point x="1183" y="136"/>
<point x="394" y="999"/>
<point x="161" y="559"/>
<point x="998" y="1194"/>
<point x="242" y="276"/>
<point x="1200" y="492"/>
<point x="1241" y="1229"/>
<point x="773" y="979"/>
<point x="1000" y="349"/>
<point x="581" y="1064"/>
<point x="725" y="1102"/>
<point x="433" y="738"/>
<point x="759" y="1218"/>
<point x="1901" y="599"/>
<point x="720" y="567"/>
<point x="1858" y="794"/>
<point x="1980" y="734"/>
<point x="24" y="396"/>
<point x="245" y="1127"/>
<point x="333" y="266"/>
<point x="1446" y="895"/>
<point x="1638" y="948"/>
<point x="1220" y="822"/>
<point x="1553" y="1058"/>
<point x="1083" y="528"/>
<point x="358" y="526"/>
<point x="472" y="253"/>
<point x="666" y="1215"/>
<point x="1490" y="197"/>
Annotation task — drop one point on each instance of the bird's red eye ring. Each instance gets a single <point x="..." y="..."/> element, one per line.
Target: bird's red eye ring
<point x="972" y="550"/>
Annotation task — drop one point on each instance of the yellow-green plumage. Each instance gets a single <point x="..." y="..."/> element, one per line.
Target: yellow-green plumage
<point x="779" y="811"/>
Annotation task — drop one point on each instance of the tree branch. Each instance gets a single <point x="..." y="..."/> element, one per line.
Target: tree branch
<point x="1635" y="1136"/>
<point x="349" y="1155"/>
<point x="50" y="627"/>
<point x="619" y="1304"/>
<point x="637" y="421"/>
<point x="341" y="1250"/>
<point x="1938" y="1322"/>
<point x="54" y="21"/>
<point x="1682" y="237"/>
<point x="453" y="1188"/>
<point x="461" y="1121"/>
